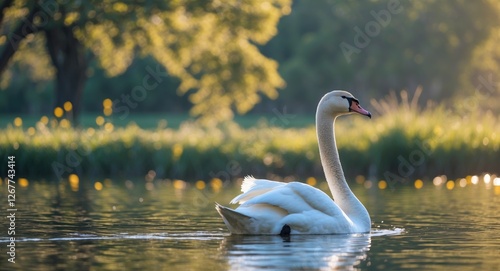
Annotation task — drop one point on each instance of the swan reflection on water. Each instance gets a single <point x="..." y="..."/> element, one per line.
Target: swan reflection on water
<point x="296" y="251"/>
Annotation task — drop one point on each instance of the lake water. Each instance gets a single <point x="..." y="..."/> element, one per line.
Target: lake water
<point x="160" y="225"/>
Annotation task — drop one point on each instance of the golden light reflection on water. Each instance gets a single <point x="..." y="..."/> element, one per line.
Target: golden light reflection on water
<point x="450" y="184"/>
<point x="382" y="184"/>
<point x="23" y="182"/>
<point x="74" y="182"/>
<point x="188" y="228"/>
<point x="474" y="179"/>
<point x="216" y="184"/>
<point x="200" y="184"/>
<point x="490" y="182"/>
<point x="179" y="184"/>
<point x="496" y="181"/>
<point x="487" y="178"/>
<point x="418" y="184"/>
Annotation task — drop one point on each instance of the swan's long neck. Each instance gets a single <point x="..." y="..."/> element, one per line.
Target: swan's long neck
<point x="334" y="174"/>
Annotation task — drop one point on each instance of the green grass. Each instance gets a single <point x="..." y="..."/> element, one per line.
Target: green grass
<point x="401" y="142"/>
<point x="145" y="121"/>
<point x="151" y="121"/>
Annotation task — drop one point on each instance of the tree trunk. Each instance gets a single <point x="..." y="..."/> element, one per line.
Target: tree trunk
<point x="68" y="57"/>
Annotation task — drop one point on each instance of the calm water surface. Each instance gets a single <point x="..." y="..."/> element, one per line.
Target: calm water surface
<point x="125" y="226"/>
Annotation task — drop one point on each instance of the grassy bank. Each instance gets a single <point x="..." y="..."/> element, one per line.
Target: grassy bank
<point x="400" y="143"/>
<point x="151" y="121"/>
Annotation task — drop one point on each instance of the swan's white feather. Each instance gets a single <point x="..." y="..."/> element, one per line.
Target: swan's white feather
<point x="293" y="197"/>
<point x="272" y="204"/>
<point x="252" y="187"/>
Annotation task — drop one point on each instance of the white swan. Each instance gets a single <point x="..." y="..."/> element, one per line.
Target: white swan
<point x="269" y="207"/>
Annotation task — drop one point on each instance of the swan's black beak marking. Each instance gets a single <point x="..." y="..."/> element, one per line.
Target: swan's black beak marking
<point x="355" y="107"/>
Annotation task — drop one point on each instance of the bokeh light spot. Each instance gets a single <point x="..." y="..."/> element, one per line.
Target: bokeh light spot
<point x="360" y="179"/>
<point x="68" y="106"/>
<point x="107" y="111"/>
<point x="179" y="184"/>
<point x="311" y="181"/>
<point x="99" y="120"/>
<point x="107" y="103"/>
<point x="74" y="182"/>
<point x="44" y="120"/>
<point x="58" y="112"/>
<point x="23" y="182"/>
<point x="109" y="127"/>
<point x="64" y="123"/>
<point x="216" y="184"/>
<point x="200" y="185"/>
<point x="450" y="184"/>
<point x="31" y="131"/>
<point x="18" y="122"/>
<point x="98" y="186"/>
<point x="418" y="184"/>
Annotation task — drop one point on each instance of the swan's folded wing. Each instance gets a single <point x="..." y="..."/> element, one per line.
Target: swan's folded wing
<point x="252" y="187"/>
<point x="296" y="197"/>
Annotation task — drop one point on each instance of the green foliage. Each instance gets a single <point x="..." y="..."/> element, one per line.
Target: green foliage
<point x="210" y="46"/>
<point x="434" y="44"/>
<point x="406" y="139"/>
<point x="432" y="141"/>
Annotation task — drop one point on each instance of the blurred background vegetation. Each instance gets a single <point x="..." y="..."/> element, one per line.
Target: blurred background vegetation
<point x="101" y="64"/>
<point x="449" y="48"/>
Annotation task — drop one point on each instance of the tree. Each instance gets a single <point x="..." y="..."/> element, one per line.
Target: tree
<point x="211" y="46"/>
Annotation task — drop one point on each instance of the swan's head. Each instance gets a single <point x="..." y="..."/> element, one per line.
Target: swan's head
<point x="340" y="102"/>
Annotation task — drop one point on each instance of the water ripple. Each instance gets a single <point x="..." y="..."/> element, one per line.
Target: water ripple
<point x="199" y="235"/>
<point x="122" y="236"/>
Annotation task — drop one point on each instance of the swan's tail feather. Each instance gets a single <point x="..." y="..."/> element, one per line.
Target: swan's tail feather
<point x="235" y="222"/>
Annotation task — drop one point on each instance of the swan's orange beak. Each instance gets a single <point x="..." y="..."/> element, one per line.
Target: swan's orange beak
<point x="355" y="107"/>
